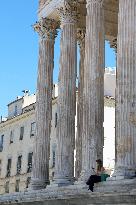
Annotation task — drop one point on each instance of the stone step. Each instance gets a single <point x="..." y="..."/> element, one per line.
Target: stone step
<point x="124" y="185"/>
<point x="64" y="196"/>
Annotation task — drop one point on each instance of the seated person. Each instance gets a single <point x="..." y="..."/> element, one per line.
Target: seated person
<point x="99" y="175"/>
<point x="104" y="175"/>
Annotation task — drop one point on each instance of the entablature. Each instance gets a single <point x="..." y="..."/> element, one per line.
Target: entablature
<point x="50" y="10"/>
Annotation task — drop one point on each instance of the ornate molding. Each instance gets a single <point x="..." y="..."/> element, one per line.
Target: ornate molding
<point x="68" y="12"/>
<point x="46" y="28"/>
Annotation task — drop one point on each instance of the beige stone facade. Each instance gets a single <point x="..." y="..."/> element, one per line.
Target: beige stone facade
<point x="15" y="143"/>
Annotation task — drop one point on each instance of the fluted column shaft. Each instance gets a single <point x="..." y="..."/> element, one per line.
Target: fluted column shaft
<point x="93" y="106"/>
<point x="40" y="173"/>
<point x="64" y="172"/>
<point x="126" y="90"/>
<point x="81" y="42"/>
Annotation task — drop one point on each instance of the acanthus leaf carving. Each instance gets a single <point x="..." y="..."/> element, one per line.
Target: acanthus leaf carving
<point x="68" y="12"/>
<point x="46" y="28"/>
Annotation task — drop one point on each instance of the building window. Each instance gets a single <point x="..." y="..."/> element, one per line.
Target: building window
<point x="30" y="157"/>
<point x="19" y="163"/>
<point x="7" y="187"/>
<point x="11" y="136"/>
<point x="17" y="185"/>
<point x="1" y="143"/>
<point x="0" y="166"/>
<point x="56" y="119"/>
<point x="33" y="126"/>
<point x="28" y="182"/>
<point x="15" y="112"/>
<point x="9" y="168"/>
<point x="21" y="133"/>
<point x="53" y="158"/>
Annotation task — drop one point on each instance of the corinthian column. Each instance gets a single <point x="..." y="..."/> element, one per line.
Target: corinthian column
<point x="93" y="105"/>
<point x="64" y="172"/>
<point x="81" y="42"/>
<point x="126" y="90"/>
<point x="40" y="173"/>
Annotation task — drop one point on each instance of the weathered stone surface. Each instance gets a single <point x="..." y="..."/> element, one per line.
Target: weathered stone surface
<point x="41" y="3"/>
<point x="92" y="137"/>
<point x="126" y="86"/>
<point x="81" y="42"/>
<point x="69" y="197"/>
<point x="110" y="17"/>
<point x="64" y="173"/>
<point x="125" y="185"/>
<point x="40" y="173"/>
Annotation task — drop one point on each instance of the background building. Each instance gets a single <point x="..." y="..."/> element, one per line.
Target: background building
<point x="17" y="133"/>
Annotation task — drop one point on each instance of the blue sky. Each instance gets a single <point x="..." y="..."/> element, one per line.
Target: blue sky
<point x="19" y="50"/>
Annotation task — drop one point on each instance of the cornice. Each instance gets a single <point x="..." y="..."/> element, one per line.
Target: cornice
<point x="22" y="116"/>
<point x="49" y="8"/>
<point x="16" y="118"/>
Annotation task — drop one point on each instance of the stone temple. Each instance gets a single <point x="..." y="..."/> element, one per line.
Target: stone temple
<point x="88" y="23"/>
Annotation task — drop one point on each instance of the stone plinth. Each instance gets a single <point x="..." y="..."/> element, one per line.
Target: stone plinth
<point x="125" y="185"/>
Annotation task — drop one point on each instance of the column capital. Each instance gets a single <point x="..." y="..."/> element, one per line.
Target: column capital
<point x="68" y="12"/>
<point x="46" y="28"/>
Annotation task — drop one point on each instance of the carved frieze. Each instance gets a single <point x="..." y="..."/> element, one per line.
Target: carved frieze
<point x="46" y="28"/>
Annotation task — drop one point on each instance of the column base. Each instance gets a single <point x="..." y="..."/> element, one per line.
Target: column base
<point x="62" y="182"/>
<point x="81" y="185"/>
<point x="75" y="188"/>
<point x="37" y="184"/>
<point x="124" y="185"/>
<point x="122" y="173"/>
